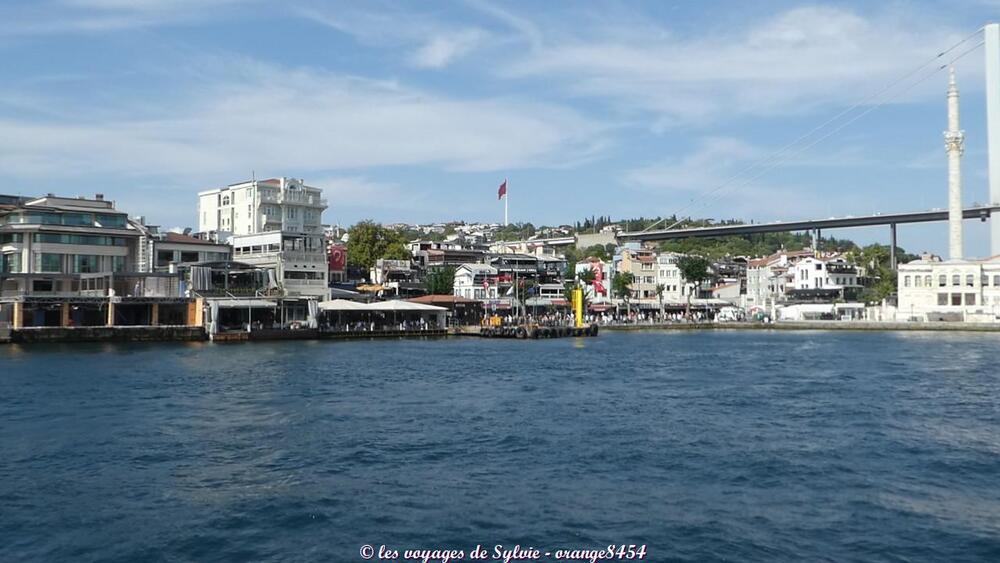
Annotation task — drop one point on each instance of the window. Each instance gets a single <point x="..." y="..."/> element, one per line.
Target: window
<point x="164" y="257"/>
<point x="956" y="279"/>
<point x="970" y="298"/>
<point x="956" y="299"/>
<point x="10" y="237"/>
<point x="927" y="280"/>
<point x="78" y="219"/>
<point x="48" y="263"/>
<point x="996" y="281"/>
<point x="943" y="299"/>
<point x="906" y="281"/>
<point x="42" y="286"/>
<point x="117" y="263"/>
<point x="86" y="264"/>
<point x="819" y="266"/>
<point x="112" y="221"/>
<point x="189" y="256"/>
<point x="942" y="280"/>
<point x="917" y="281"/>
<point x="57" y="238"/>
<point x="225" y="200"/>
<point x="970" y="280"/>
<point x="10" y="263"/>
<point x="984" y="280"/>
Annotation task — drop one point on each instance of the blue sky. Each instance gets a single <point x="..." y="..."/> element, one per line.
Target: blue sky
<point x="415" y="111"/>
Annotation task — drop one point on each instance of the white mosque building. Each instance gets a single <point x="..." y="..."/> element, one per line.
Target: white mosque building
<point x="959" y="288"/>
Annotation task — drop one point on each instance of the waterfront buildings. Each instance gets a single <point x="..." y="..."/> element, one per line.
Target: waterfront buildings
<point x="641" y="263"/>
<point x="275" y="224"/>
<point x="954" y="290"/>
<point x="74" y="262"/>
<point x="477" y="281"/>
<point x="160" y="251"/>
<point x="767" y="279"/>
<point x="396" y="278"/>
<point x="668" y="275"/>
<point x="829" y="274"/>
<point x="431" y="254"/>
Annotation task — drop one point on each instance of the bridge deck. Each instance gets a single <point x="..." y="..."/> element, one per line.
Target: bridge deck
<point x="982" y="213"/>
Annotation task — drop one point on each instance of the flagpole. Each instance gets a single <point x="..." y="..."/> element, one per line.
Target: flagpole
<point x="506" y="195"/>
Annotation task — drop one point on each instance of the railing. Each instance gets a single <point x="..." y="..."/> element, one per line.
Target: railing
<point x="293" y="282"/>
<point x="287" y="197"/>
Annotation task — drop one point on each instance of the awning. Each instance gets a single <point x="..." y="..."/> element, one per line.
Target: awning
<point x="244" y="304"/>
<point x="342" y="305"/>
<point x="403" y="306"/>
<point x="395" y="305"/>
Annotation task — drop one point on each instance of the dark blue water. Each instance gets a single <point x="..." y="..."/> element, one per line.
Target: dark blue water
<point x="711" y="446"/>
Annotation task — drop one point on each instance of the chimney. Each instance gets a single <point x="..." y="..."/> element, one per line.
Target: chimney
<point x="99" y="197"/>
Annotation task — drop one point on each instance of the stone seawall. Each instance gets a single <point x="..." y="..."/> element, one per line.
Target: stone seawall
<point x="109" y="334"/>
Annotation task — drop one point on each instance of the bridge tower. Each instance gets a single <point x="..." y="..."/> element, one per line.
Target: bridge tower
<point x="992" y="45"/>
<point x="954" y="142"/>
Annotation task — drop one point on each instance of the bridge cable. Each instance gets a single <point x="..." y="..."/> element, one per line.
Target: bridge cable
<point x="828" y="122"/>
<point x="845" y="124"/>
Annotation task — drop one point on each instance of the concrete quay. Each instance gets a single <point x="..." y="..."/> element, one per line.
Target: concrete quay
<point x="816" y="325"/>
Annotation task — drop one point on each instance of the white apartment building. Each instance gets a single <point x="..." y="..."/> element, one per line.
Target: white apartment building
<point x="476" y="281"/>
<point x="274" y="223"/>
<point x="822" y="273"/>
<point x="258" y="206"/>
<point x="675" y="287"/>
<point x="768" y="277"/>
<point x="955" y="290"/>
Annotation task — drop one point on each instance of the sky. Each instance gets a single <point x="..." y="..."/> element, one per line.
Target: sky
<point x="416" y="111"/>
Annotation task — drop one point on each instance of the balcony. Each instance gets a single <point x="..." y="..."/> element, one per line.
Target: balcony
<point x="292" y="198"/>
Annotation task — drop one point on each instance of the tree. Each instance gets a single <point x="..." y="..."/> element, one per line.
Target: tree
<point x="694" y="270"/>
<point x="597" y="251"/>
<point x="368" y="241"/>
<point x="621" y="286"/>
<point x="588" y="276"/>
<point x="440" y="281"/>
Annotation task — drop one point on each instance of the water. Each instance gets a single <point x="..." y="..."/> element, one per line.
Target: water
<point x="707" y="446"/>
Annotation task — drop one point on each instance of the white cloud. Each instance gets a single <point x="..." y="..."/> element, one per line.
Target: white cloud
<point x="98" y="16"/>
<point x="441" y="50"/>
<point x="719" y="178"/>
<point x="303" y="120"/>
<point x="699" y="170"/>
<point x="429" y="43"/>
<point x="792" y="62"/>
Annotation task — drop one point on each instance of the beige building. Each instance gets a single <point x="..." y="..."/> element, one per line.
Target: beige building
<point x="953" y="290"/>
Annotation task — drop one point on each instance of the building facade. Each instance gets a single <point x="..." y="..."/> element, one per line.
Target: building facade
<point x="953" y="290"/>
<point x="477" y="281"/>
<point x="275" y="223"/>
<point x="68" y="262"/>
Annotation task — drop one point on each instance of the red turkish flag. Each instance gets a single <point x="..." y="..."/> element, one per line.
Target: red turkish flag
<point x="503" y="190"/>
